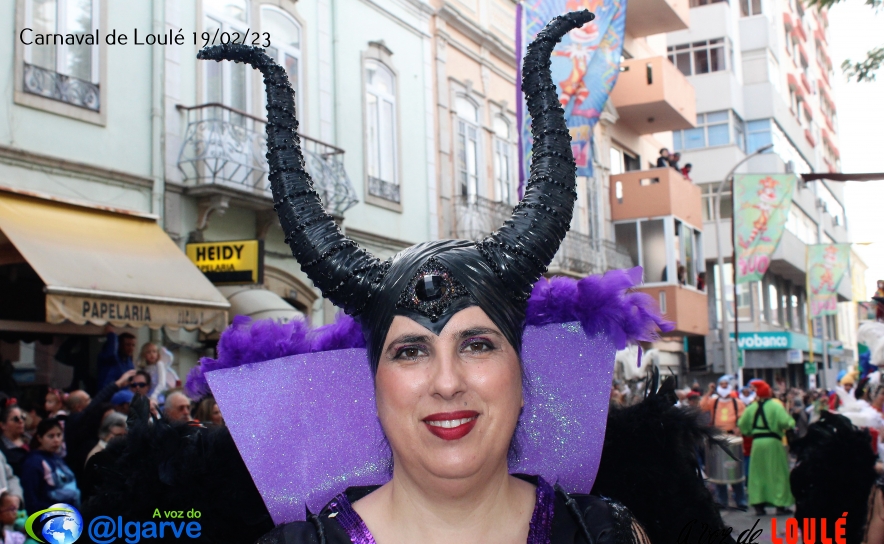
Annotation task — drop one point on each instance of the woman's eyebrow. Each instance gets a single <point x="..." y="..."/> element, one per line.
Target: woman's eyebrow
<point x="411" y="339"/>
<point x="477" y="331"/>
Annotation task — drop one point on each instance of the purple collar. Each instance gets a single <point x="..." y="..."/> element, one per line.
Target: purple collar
<point x="539" y="532"/>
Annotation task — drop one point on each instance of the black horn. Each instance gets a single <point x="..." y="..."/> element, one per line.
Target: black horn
<point x="343" y="271"/>
<point x="522" y="249"/>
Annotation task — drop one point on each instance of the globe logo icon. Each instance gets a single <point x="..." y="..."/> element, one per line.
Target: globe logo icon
<point x="59" y="524"/>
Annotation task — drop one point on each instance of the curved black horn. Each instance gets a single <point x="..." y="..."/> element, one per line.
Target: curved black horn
<point x="343" y="271"/>
<point x="522" y="249"/>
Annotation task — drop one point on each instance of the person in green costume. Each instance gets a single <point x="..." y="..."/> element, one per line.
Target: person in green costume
<point x="765" y="421"/>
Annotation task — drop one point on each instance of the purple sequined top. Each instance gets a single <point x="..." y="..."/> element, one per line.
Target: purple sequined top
<point x="539" y="532"/>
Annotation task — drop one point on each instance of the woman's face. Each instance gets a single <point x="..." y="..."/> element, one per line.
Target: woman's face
<point x="150" y="354"/>
<point x="216" y="415"/>
<point x="14" y="426"/>
<point x="9" y="509"/>
<point x="449" y="404"/>
<point x="51" y="441"/>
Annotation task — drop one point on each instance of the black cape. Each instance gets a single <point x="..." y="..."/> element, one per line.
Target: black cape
<point x="577" y="519"/>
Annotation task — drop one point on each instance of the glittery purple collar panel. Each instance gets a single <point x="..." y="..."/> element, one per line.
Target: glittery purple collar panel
<point x="539" y="532"/>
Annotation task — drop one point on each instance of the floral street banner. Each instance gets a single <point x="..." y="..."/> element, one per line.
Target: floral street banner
<point x="826" y="265"/>
<point x="585" y="66"/>
<point x="761" y="207"/>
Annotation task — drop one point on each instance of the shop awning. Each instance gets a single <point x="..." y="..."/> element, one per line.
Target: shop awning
<point x="101" y="266"/>
<point x="258" y="303"/>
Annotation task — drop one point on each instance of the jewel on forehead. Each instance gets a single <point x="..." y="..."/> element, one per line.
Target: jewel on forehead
<point x="431" y="287"/>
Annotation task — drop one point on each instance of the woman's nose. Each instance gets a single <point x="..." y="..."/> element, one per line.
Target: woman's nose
<point x="448" y="376"/>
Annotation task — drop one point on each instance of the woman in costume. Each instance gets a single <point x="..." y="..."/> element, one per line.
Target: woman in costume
<point x="458" y="337"/>
<point x="443" y="325"/>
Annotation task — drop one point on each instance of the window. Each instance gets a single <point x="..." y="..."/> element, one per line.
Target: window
<point x="750" y="7"/>
<point x="744" y="295"/>
<point x="67" y="73"/>
<point x="286" y="48"/>
<point x="623" y="161"/>
<point x="773" y="303"/>
<point x="700" y="57"/>
<point x="831" y="204"/>
<point x="708" y="192"/>
<point x="697" y="3"/>
<point x="504" y="159"/>
<point x="713" y="129"/>
<point x="654" y="243"/>
<point x="227" y="82"/>
<point x="766" y="131"/>
<point x="468" y="148"/>
<point x="801" y="225"/>
<point x="381" y="144"/>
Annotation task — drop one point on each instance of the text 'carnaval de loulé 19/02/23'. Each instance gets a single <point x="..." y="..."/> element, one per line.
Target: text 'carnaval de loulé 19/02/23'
<point x="28" y="36"/>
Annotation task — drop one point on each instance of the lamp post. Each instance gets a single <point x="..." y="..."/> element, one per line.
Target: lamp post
<point x="725" y="324"/>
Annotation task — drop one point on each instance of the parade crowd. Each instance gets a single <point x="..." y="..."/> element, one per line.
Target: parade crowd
<point x="768" y="420"/>
<point x="52" y="452"/>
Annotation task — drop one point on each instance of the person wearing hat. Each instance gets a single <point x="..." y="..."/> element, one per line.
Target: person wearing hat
<point x="766" y="421"/>
<point x="120" y="401"/>
<point x="846" y="379"/>
<point x="724" y="410"/>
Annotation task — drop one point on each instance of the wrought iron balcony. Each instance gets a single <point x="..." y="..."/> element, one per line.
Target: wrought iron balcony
<point x="63" y="88"/>
<point x="578" y="255"/>
<point x="227" y="147"/>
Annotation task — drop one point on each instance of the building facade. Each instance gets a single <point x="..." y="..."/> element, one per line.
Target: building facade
<point x="150" y="132"/>
<point x="477" y="153"/>
<point x="761" y="73"/>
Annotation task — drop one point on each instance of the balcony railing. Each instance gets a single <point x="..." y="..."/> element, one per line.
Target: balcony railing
<point x="476" y="217"/>
<point x="227" y="147"/>
<point x="70" y="90"/>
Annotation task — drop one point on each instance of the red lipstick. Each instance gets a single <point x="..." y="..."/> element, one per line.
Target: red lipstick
<point x="451" y="425"/>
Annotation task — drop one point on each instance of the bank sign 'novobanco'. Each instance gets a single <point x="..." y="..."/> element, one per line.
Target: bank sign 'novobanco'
<point x="781" y="340"/>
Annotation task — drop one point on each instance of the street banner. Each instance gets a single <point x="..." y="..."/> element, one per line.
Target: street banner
<point x="585" y="66"/>
<point x="761" y="207"/>
<point x="826" y="265"/>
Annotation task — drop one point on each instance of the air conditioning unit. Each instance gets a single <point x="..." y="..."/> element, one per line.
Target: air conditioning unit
<point x="790" y="167"/>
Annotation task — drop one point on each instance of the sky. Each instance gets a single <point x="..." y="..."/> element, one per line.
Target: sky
<point x="854" y="28"/>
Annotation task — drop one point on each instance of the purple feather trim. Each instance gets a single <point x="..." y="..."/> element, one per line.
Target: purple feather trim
<point x="599" y="303"/>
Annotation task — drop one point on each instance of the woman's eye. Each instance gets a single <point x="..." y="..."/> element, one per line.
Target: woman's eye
<point x="478" y="346"/>
<point x="409" y="352"/>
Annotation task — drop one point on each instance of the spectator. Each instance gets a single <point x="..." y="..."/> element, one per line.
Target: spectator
<point x="115" y="358"/>
<point x="54" y="405"/>
<point x="724" y="412"/>
<point x="686" y="171"/>
<point x="156" y="361"/>
<point x="694" y="399"/>
<point x="673" y="161"/>
<point x="121" y="400"/>
<point x="765" y="421"/>
<point x="177" y="407"/>
<point x="112" y="426"/>
<point x="209" y="412"/>
<point x="81" y="427"/>
<point x="8" y="480"/>
<point x="14" y="441"/>
<point x="141" y="383"/>
<point x="9" y="506"/>
<point x="701" y="281"/>
<point x="46" y="479"/>
<point x="663" y="159"/>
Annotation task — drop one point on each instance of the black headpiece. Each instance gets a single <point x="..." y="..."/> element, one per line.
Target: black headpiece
<point x="432" y="281"/>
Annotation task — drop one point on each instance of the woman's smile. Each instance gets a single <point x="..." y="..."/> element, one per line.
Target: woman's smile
<point x="451" y="425"/>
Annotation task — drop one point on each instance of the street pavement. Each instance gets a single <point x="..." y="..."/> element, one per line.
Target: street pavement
<point x="742" y="521"/>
